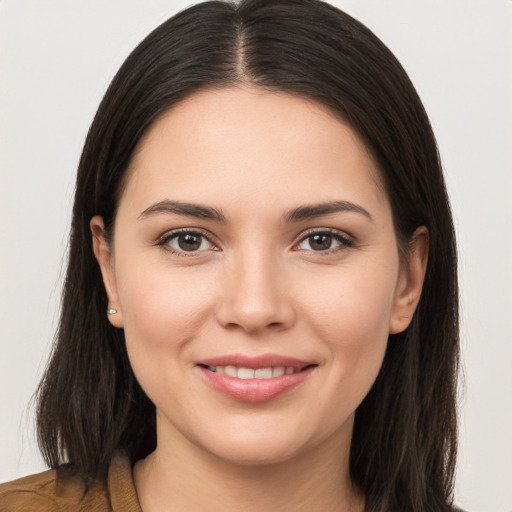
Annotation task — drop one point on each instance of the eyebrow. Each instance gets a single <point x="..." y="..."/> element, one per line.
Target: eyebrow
<point x="317" y="210"/>
<point x="295" y="215"/>
<point x="181" y="208"/>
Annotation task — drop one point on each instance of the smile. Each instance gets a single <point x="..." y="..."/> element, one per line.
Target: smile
<point x="254" y="379"/>
<point x="251" y="373"/>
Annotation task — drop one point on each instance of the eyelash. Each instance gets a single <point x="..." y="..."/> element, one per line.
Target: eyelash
<point x="344" y="240"/>
<point x="163" y="241"/>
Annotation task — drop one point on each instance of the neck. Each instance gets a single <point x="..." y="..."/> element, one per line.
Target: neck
<point x="180" y="476"/>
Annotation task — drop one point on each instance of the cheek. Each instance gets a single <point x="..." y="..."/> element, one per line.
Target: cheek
<point x="350" y="313"/>
<point x="353" y="302"/>
<point x="162" y="311"/>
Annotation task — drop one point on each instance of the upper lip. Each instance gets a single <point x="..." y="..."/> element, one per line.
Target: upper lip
<point x="254" y="362"/>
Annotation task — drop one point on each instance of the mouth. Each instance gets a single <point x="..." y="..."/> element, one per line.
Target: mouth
<point x="254" y="373"/>
<point x="255" y="379"/>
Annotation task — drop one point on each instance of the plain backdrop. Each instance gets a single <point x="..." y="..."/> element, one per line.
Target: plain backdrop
<point x="56" y="60"/>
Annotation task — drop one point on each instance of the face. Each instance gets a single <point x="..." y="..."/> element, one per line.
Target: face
<point x="255" y="271"/>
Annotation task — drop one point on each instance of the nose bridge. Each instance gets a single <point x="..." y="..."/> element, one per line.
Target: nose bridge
<point x="254" y="296"/>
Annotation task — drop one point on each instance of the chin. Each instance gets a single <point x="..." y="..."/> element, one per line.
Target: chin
<point x="264" y="444"/>
<point x="263" y="453"/>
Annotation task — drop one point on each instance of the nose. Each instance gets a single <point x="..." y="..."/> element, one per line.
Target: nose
<point x="255" y="296"/>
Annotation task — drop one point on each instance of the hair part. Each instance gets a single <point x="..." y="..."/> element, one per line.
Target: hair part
<point x="90" y="404"/>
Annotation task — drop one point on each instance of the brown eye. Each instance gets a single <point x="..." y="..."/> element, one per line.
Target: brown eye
<point x="324" y="241"/>
<point x="320" y="242"/>
<point x="187" y="241"/>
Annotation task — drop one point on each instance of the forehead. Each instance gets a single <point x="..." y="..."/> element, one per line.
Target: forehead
<point x="248" y="144"/>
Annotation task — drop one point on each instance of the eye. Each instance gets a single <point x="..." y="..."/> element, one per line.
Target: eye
<point x="186" y="242"/>
<point x="324" y="241"/>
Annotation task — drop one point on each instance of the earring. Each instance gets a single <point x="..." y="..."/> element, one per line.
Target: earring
<point x="111" y="311"/>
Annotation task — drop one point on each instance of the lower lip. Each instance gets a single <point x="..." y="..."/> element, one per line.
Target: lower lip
<point x="254" y="390"/>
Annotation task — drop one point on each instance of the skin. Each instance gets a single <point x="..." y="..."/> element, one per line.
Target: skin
<point x="258" y="286"/>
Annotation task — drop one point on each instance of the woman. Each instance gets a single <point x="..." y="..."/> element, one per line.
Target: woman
<point x="260" y="309"/>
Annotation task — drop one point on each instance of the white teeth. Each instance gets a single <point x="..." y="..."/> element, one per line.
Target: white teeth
<point x="245" y="373"/>
<point x="249" y="373"/>
<point x="277" y="372"/>
<point x="230" y="371"/>
<point x="263" y="373"/>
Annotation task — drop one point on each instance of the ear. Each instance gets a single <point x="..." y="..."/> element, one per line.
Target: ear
<point x="105" y="260"/>
<point x="410" y="281"/>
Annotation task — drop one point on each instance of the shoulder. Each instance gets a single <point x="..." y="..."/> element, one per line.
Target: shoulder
<point x="53" y="491"/>
<point x="44" y="491"/>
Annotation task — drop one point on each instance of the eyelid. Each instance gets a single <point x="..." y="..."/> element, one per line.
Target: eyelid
<point x="343" y="237"/>
<point x="165" y="237"/>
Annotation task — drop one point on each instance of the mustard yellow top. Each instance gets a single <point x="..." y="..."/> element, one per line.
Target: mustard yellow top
<point x="44" y="492"/>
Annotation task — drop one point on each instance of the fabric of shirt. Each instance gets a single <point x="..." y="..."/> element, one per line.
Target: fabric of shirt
<point x="45" y="492"/>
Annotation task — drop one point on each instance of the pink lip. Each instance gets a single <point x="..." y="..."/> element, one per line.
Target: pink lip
<point x="255" y="390"/>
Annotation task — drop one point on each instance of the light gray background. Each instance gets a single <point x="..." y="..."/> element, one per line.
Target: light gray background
<point x="56" y="60"/>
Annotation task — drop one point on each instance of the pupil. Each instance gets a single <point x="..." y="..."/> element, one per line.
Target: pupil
<point x="321" y="242"/>
<point x="189" y="242"/>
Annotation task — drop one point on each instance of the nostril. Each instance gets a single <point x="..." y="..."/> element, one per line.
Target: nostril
<point x="254" y="310"/>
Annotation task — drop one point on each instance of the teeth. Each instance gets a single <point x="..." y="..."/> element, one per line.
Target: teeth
<point x="230" y="371"/>
<point x="245" y="373"/>
<point x="250" y="373"/>
<point x="263" y="373"/>
<point x="277" y="372"/>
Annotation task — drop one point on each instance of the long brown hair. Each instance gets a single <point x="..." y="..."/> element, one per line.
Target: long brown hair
<point x="90" y="404"/>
